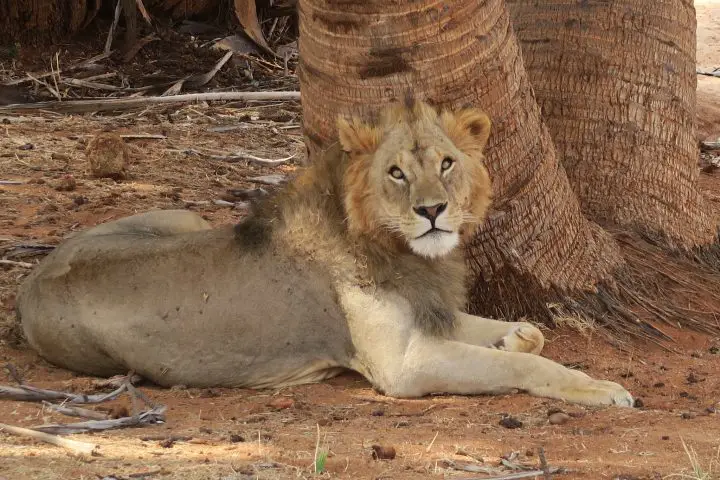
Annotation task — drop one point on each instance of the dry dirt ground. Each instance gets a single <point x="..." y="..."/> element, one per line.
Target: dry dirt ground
<point x="245" y="434"/>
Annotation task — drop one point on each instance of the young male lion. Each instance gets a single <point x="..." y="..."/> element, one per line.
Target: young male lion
<point x="355" y="265"/>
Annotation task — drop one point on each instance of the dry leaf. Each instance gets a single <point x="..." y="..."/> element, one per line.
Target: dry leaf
<point x="247" y="16"/>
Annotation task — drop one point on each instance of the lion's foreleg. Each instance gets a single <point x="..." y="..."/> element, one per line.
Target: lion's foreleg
<point x="432" y="365"/>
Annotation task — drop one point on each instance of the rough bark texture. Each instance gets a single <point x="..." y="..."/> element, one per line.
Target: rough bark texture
<point x="20" y="21"/>
<point x="616" y="84"/>
<point x="357" y="56"/>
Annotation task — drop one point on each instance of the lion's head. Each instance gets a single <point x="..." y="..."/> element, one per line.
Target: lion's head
<point x="416" y="175"/>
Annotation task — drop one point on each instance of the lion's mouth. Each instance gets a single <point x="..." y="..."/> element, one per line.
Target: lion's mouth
<point x="433" y="231"/>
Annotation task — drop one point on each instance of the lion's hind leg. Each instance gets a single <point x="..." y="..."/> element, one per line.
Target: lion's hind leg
<point x="159" y="223"/>
<point x="507" y="336"/>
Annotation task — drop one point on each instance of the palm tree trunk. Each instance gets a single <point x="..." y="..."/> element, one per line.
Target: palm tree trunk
<point x="536" y="245"/>
<point x="616" y="84"/>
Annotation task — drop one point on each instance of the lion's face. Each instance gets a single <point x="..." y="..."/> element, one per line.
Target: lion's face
<point x="417" y="176"/>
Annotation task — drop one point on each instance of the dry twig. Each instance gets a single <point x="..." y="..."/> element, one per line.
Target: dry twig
<point x="76" y="411"/>
<point x="16" y="264"/>
<point x="111" y="33"/>
<point x="149" y="417"/>
<point x="238" y="156"/>
<point x="101" y="105"/>
<point x="26" y="393"/>
<point x="82" y="448"/>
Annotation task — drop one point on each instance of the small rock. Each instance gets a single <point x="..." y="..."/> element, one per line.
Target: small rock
<point x="692" y="378"/>
<point x="383" y="452"/>
<point x="378" y="412"/>
<point x="27" y="146"/>
<point x="659" y="385"/>
<point x="167" y="443"/>
<point x="714" y="350"/>
<point x="638" y="403"/>
<point x="108" y="156"/>
<point x="66" y="184"/>
<point x="665" y="437"/>
<point x="710" y="410"/>
<point x="80" y="200"/>
<point x="235" y="438"/>
<point x="324" y="422"/>
<point x="687" y="415"/>
<point x="281" y="403"/>
<point x="558" y="418"/>
<point x="510" y="422"/>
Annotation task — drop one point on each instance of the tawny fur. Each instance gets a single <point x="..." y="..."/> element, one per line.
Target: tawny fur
<point x="347" y="268"/>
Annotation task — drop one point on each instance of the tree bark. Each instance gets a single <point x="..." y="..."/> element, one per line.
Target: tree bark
<point x="357" y="56"/>
<point x="616" y="84"/>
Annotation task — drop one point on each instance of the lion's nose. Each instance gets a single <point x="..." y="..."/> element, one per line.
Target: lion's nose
<point x="431" y="212"/>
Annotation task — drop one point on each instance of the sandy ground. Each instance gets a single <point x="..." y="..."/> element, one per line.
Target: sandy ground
<point x="245" y="434"/>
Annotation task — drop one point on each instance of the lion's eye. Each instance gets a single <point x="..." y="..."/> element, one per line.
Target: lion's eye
<point x="446" y="163"/>
<point x="396" y="173"/>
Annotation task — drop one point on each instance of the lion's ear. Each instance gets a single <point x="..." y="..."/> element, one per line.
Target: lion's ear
<point x="469" y="129"/>
<point x="357" y="136"/>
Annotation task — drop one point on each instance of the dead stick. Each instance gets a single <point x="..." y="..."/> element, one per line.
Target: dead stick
<point x="73" y="445"/>
<point x="27" y="393"/>
<point x="544" y="464"/>
<point x="16" y="264"/>
<point x="111" y="33"/>
<point x="80" y="106"/>
<point x="14" y="374"/>
<point x="510" y="476"/>
<point x="76" y="411"/>
<point x="149" y="417"/>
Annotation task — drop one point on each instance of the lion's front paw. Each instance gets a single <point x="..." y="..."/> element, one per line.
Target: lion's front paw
<point x="598" y="392"/>
<point x="522" y="338"/>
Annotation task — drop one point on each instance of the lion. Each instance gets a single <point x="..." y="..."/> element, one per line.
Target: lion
<point x="355" y="265"/>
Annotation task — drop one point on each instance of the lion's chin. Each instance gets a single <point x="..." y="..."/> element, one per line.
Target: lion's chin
<point x="435" y="244"/>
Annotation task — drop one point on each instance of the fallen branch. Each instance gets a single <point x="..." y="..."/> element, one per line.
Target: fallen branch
<point x="156" y="415"/>
<point x="544" y="465"/>
<point x="200" y="80"/>
<point x="101" y="105"/>
<point x="143" y="11"/>
<point x="713" y="73"/>
<point x="143" y="136"/>
<point x="512" y="476"/>
<point x="82" y="448"/>
<point x="13" y="373"/>
<point x="76" y="411"/>
<point x="74" y="82"/>
<point x="239" y="156"/>
<point x="16" y="264"/>
<point x="10" y="182"/>
<point x="26" y="393"/>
